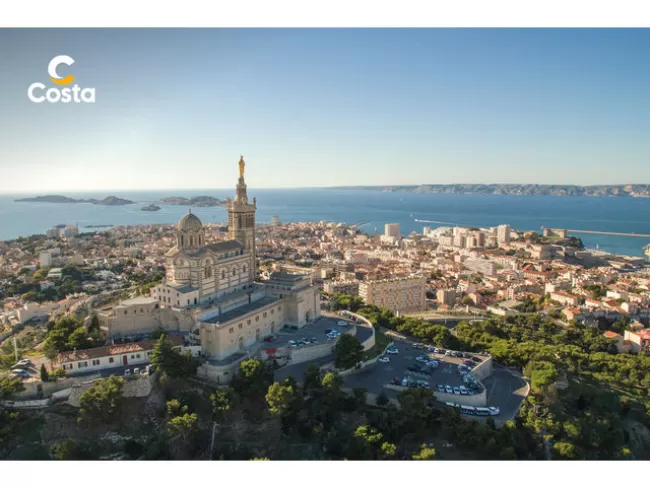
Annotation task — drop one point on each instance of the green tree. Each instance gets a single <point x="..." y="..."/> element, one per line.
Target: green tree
<point x="10" y="386"/>
<point x="348" y="352"/>
<point x="565" y="451"/>
<point x="312" y="380"/>
<point x="93" y="328"/>
<point x="79" y="340"/>
<point x="45" y="377"/>
<point x="171" y="362"/>
<point x="425" y="453"/>
<point x="253" y="379"/>
<point x="64" y="450"/>
<point x="279" y="398"/>
<point x="186" y="426"/>
<point x="222" y="402"/>
<point x="388" y="450"/>
<point x="175" y="408"/>
<point x="382" y="399"/>
<point x="103" y="401"/>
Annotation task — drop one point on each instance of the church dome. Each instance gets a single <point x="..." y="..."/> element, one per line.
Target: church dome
<point x="190" y="223"/>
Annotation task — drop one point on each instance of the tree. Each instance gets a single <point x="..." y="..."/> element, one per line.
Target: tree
<point x="175" y="408"/>
<point x="565" y="451"/>
<point x="169" y="361"/>
<point x="425" y="453"/>
<point x="10" y="386"/>
<point x="388" y="449"/>
<point x="279" y="398"/>
<point x="348" y="352"/>
<point x="63" y="450"/>
<point x="253" y="379"/>
<point x="466" y="301"/>
<point x="45" y="377"/>
<point x="184" y="426"/>
<point x="221" y="400"/>
<point x="312" y="380"/>
<point x="382" y="399"/>
<point x="103" y="401"/>
<point x="79" y="339"/>
<point x="93" y="328"/>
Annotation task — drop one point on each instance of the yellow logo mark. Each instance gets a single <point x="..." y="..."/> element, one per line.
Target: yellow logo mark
<point x="51" y="69"/>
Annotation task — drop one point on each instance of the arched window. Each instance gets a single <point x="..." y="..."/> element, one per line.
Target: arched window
<point x="233" y="272"/>
<point x="244" y="268"/>
<point x="182" y="240"/>
<point x="191" y="241"/>
<point x="257" y="335"/>
<point x="223" y="274"/>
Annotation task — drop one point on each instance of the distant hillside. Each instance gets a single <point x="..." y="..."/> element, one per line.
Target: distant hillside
<point x="109" y="200"/>
<point x="633" y="190"/>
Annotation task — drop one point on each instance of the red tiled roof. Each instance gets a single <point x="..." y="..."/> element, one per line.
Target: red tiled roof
<point x="611" y="334"/>
<point x="112" y="350"/>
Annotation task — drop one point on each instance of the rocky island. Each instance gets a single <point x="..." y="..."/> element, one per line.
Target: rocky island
<point x="198" y="201"/>
<point x="151" y="207"/>
<point x="633" y="190"/>
<point x="108" y="201"/>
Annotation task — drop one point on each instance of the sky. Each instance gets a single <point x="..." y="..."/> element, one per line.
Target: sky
<point x="175" y="108"/>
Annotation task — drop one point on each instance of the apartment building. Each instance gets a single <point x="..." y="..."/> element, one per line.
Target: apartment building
<point x="403" y="294"/>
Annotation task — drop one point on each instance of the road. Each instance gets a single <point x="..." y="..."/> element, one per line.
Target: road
<point x="506" y="389"/>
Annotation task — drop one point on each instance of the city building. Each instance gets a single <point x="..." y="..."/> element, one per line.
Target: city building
<point x="113" y="356"/>
<point x="503" y="234"/>
<point x="71" y="231"/>
<point x="342" y="287"/>
<point x="401" y="294"/>
<point x="143" y="315"/>
<point x="446" y="296"/>
<point x="484" y="266"/>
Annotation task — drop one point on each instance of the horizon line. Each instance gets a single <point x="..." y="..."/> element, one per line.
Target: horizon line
<point x="351" y="186"/>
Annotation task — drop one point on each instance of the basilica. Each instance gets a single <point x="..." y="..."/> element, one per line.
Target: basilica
<point x="216" y="282"/>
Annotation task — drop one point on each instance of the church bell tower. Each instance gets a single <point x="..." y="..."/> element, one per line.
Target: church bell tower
<point x="241" y="219"/>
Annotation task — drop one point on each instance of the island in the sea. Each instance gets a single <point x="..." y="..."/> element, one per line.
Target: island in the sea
<point x="108" y="201"/>
<point x="197" y="201"/>
<point x="151" y="207"/>
<point x="633" y="190"/>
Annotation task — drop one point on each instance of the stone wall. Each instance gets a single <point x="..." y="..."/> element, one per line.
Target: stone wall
<point x="134" y="386"/>
<point x="475" y="400"/>
<point x="483" y="370"/>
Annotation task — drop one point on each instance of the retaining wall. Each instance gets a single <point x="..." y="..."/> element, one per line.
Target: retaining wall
<point x="484" y="369"/>
<point x="475" y="400"/>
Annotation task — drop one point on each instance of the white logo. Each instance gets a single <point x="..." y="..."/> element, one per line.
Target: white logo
<point x="74" y="94"/>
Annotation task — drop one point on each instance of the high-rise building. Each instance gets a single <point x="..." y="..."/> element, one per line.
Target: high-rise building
<point x="503" y="234"/>
<point x="392" y="230"/>
<point x="446" y="296"/>
<point x="71" y="231"/>
<point x="402" y="294"/>
<point x="484" y="266"/>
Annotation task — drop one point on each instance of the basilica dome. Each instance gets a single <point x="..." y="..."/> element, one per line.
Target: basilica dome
<point x="190" y="223"/>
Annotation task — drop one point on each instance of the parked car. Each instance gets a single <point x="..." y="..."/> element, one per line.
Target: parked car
<point x="468" y="363"/>
<point x="449" y="353"/>
<point x="436" y="350"/>
<point x="392" y="351"/>
<point x="448" y="389"/>
<point x="433" y="364"/>
<point x="342" y="323"/>
<point x="463" y="390"/>
<point x="329" y="330"/>
<point x="127" y="372"/>
<point x="313" y="340"/>
<point x="441" y="388"/>
<point x="384" y="359"/>
<point x="423" y="383"/>
<point x="422" y="358"/>
<point x="418" y="345"/>
<point x="494" y="410"/>
<point x="456" y="390"/>
<point x="476" y="359"/>
<point x="292" y="342"/>
<point x="136" y="371"/>
<point x="442" y="351"/>
<point x="20" y="372"/>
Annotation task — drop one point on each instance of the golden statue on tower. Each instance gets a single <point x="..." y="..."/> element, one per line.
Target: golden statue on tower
<point x="242" y="164"/>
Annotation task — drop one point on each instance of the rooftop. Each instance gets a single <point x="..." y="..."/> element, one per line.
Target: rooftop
<point x="112" y="350"/>
<point x="181" y="288"/>
<point x="138" y="300"/>
<point x="242" y="310"/>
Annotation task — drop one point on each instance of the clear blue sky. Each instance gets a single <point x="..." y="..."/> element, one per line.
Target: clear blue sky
<point x="322" y="107"/>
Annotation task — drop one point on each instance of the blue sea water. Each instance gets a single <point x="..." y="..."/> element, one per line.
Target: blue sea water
<point x="628" y="215"/>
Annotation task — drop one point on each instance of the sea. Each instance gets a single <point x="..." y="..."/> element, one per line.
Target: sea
<point x="608" y="214"/>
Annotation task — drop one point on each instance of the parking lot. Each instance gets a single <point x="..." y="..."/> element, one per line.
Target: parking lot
<point x="317" y="331"/>
<point x="374" y="378"/>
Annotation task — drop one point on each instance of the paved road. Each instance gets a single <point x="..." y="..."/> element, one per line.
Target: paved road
<point x="507" y="390"/>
